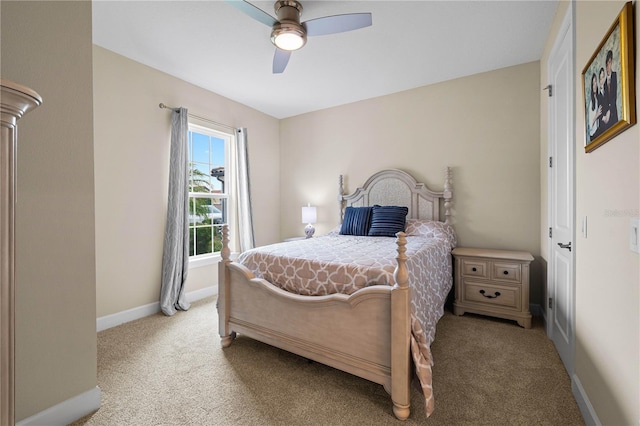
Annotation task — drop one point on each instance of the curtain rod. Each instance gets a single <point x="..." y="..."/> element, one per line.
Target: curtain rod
<point x="163" y="106"/>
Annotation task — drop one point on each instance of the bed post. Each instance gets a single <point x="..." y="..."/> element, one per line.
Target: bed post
<point x="226" y="337"/>
<point x="447" y="196"/>
<point x="401" y="334"/>
<point x="340" y="196"/>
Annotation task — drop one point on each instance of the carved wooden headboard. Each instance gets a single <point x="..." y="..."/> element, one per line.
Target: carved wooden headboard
<point x="399" y="188"/>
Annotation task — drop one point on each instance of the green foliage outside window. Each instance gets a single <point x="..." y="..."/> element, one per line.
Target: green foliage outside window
<point x="204" y="217"/>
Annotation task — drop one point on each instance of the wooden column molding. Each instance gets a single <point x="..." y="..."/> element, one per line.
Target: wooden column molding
<point x="15" y="101"/>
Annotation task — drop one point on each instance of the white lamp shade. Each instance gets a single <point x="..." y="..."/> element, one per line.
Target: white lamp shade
<point x="309" y="214"/>
<point x="288" y="41"/>
<point x="288" y="36"/>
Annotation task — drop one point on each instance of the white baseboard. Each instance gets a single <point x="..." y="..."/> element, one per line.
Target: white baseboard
<point x="192" y="296"/>
<point x="586" y="409"/>
<point x="132" y="314"/>
<point x="67" y="411"/>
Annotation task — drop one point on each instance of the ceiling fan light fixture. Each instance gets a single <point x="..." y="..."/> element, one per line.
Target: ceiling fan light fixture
<point x="288" y="37"/>
<point x="288" y="34"/>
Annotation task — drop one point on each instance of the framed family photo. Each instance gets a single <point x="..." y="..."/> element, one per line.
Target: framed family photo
<point x="608" y="84"/>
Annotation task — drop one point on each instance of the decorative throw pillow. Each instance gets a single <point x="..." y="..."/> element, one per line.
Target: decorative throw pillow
<point x="386" y="221"/>
<point x="431" y="229"/>
<point x="356" y="221"/>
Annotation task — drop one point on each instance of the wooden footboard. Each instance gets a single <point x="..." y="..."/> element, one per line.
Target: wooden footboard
<point x="366" y="333"/>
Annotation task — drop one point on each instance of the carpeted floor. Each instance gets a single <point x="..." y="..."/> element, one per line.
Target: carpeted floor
<point x="172" y="371"/>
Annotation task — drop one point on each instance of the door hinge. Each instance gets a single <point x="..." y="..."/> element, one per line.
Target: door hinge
<point x="550" y="303"/>
<point x="550" y="233"/>
<point x="550" y="89"/>
<point x="550" y="161"/>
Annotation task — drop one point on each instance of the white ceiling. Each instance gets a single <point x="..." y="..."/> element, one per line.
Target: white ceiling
<point x="410" y="44"/>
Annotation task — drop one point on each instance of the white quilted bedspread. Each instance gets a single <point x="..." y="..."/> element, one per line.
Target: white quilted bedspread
<point x="344" y="264"/>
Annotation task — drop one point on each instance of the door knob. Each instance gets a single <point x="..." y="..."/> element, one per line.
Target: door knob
<point x="567" y="246"/>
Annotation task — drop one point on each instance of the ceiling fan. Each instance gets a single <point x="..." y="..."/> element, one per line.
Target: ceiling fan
<point x="288" y="34"/>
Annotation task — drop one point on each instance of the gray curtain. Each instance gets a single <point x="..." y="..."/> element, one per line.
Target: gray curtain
<point x="175" y="257"/>
<point x="243" y="196"/>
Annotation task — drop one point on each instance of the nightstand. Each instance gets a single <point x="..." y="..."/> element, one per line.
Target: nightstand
<point x="492" y="282"/>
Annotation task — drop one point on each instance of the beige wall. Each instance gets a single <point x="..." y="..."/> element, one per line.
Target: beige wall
<point x="486" y="127"/>
<point x="132" y="141"/>
<point x="607" y="328"/>
<point x="47" y="46"/>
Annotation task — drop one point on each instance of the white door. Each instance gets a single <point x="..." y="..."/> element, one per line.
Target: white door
<point x="560" y="274"/>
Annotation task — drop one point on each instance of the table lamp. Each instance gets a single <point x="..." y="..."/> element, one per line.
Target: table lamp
<point x="309" y="217"/>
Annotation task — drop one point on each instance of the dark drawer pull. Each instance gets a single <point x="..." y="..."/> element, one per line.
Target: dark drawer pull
<point x="496" y="294"/>
<point x="474" y="269"/>
<point x="506" y="272"/>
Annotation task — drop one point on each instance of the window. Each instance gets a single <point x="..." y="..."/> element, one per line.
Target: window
<point x="208" y="196"/>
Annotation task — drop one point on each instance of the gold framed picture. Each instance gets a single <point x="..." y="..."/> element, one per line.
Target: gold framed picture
<point x="608" y="84"/>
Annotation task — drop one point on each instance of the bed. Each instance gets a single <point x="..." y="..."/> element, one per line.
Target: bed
<point x="374" y="314"/>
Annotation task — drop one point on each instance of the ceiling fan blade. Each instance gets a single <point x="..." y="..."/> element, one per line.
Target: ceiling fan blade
<point x="253" y="11"/>
<point x="337" y="23"/>
<point x="280" y="60"/>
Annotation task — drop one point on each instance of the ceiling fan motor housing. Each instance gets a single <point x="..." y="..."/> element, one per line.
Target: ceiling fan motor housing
<point x="288" y="10"/>
<point x="288" y="13"/>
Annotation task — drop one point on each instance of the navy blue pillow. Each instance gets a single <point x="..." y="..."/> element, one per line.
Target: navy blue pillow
<point x="356" y="221"/>
<point x="386" y="221"/>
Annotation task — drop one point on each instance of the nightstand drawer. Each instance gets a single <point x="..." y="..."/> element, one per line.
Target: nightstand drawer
<point x="475" y="268"/>
<point x="506" y="271"/>
<point x="504" y="296"/>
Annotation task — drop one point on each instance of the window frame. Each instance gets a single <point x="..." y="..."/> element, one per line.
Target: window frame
<point x="198" y="260"/>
